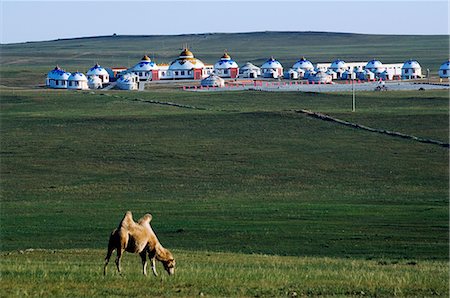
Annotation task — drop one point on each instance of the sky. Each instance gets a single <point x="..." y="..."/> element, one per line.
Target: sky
<point x="23" y="21"/>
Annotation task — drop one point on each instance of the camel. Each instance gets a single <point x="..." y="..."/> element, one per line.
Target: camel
<point x="138" y="238"/>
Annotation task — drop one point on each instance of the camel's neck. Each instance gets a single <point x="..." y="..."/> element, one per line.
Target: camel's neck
<point x="162" y="254"/>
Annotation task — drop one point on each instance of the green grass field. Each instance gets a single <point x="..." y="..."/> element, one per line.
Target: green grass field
<point x="243" y="176"/>
<point x="254" y="199"/>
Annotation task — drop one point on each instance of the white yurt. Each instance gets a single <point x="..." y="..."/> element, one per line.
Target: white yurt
<point x="320" y="77"/>
<point x="339" y="67"/>
<point x="374" y="65"/>
<point x="249" y="70"/>
<point x="186" y="66"/>
<point x="294" y="74"/>
<point x="128" y="81"/>
<point x="100" y="72"/>
<point x="77" y="80"/>
<point x="213" y="81"/>
<point x="366" y="75"/>
<point x="226" y="67"/>
<point x="411" y="70"/>
<point x="444" y="70"/>
<point x="272" y="69"/>
<point x="303" y="64"/>
<point x="145" y="68"/>
<point x="57" y="78"/>
<point x="94" y="82"/>
<point x="349" y="74"/>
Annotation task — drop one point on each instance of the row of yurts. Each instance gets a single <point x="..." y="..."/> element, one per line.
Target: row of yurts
<point x="186" y="66"/>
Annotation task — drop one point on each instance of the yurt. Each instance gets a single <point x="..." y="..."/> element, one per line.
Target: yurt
<point x="146" y="69"/>
<point x="272" y="69"/>
<point x="186" y="66"/>
<point x="444" y="70"/>
<point x="100" y="72"/>
<point x="213" y="81"/>
<point x="94" y="82"/>
<point x="411" y="70"/>
<point x="374" y="66"/>
<point x="349" y="74"/>
<point x="226" y="67"/>
<point x="303" y="64"/>
<point x="77" y="80"/>
<point x="57" y="78"/>
<point x="320" y="78"/>
<point x="294" y="74"/>
<point x="249" y="70"/>
<point x="366" y="75"/>
<point x="339" y="67"/>
<point x="128" y="81"/>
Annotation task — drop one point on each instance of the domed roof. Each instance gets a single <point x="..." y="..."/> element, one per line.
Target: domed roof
<point x="374" y="64"/>
<point x="225" y="62"/>
<point x="445" y="65"/>
<point x="212" y="80"/>
<point x="77" y="76"/>
<point x="186" y="61"/>
<point x="336" y="64"/>
<point x="303" y="64"/>
<point x="97" y="70"/>
<point x="272" y="63"/>
<point x="249" y="66"/>
<point x="186" y="54"/>
<point x="58" y="74"/>
<point x="146" y="64"/>
<point x="411" y="64"/>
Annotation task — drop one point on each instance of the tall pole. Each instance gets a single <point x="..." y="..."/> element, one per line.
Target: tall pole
<point x="353" y="93"/>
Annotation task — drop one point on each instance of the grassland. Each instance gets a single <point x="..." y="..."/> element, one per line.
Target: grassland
<point x="254" y="199"/>
<point x="78" y="273"/>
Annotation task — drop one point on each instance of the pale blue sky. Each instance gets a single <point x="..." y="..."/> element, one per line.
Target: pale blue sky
<point x="47" y="20"/>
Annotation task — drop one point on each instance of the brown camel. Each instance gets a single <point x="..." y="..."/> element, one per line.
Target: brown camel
<point x="139" y="238"/>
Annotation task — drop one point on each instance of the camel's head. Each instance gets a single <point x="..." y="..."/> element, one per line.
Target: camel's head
<point x="169" y="265"/>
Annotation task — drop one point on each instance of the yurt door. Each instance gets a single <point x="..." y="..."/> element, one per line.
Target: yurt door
<point x="197" y="74"/>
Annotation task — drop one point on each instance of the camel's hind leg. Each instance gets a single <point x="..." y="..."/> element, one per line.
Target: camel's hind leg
<point x="111" y="248"/>
<point x="119" y="256"/>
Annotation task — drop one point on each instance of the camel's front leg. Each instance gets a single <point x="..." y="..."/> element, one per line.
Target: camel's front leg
<point x="144" y="262"/>
<point x="152" y="257"/>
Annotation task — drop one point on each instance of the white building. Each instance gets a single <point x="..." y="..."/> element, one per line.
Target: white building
<point x="77" y="80"/>
<point x="338" y="66"/>
<point x="186" y="66"/>
<point x="272" y="69"/>
<point x="249" y="70"/>
<point x="94" y="82"/>
<point x="57" y="78"/>
<point x="100" y="72"/>
<point x="146" y="69"/>
<point x="226" y="67"/>
<point x="444" y="70"/>
<point x="128" y="81"/>
<point x="411" y="70"/>
<point x="213" y="81"/>
<point x="303" y="64"/>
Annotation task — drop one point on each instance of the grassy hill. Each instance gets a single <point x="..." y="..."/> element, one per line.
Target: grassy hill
<point x="28" y="63"/>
